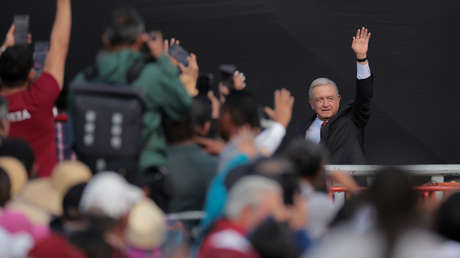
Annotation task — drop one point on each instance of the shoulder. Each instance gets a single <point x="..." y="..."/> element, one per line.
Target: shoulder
<point x="46" y="79"/>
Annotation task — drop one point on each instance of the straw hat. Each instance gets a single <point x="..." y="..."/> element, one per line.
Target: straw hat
<point x="16" y="172"/>
<point x="47" y="193"/>
<point x="146" y="227"/>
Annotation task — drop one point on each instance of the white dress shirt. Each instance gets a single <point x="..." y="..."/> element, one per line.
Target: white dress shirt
<point x="313" y="133"/>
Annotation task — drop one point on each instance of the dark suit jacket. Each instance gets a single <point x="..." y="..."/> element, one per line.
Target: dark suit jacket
<point x="343" y="135"/>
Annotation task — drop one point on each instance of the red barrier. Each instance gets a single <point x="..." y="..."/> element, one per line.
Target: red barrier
<point x="427" y="191"/>
<point x="61" y="118"/>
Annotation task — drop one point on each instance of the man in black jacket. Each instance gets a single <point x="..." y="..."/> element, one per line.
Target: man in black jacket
<point x="342" y="130"/>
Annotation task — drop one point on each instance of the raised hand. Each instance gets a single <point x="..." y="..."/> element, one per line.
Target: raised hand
<point x="9" y="39"/>
<point x="239" y="80"/>
<point x="192" y="69"/>
<point x="282" y="111"/>
<point x="360" y="43"/>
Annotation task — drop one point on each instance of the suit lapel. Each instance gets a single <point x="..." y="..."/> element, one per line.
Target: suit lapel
<point x="325" y="128"/>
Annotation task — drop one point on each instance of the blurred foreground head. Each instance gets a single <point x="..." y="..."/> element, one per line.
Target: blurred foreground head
<point x="252" y="199"/>
<point x="239" y="109"/>
<point x="394" y="198"/>
<point x="125" y="30"/>
<point x="16" y="67"/>
<point x="309" y="160"/>
<point x="109" y="194"/>
<point x="448" y="218"/>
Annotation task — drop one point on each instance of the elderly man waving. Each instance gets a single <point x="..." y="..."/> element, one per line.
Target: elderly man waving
<point x="341" y="130"/>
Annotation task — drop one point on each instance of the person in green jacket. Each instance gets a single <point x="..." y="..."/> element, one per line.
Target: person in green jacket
<point x="161" y="81"/>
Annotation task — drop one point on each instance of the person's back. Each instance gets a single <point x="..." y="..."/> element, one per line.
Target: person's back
<point x="190" y="170"/>
<point x="163" y="91"/>
<point x="31" y="101"/>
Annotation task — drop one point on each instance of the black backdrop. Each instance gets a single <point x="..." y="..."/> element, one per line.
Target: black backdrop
<point x="414" y="55"/>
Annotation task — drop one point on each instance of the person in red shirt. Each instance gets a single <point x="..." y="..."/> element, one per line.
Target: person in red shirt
<point x="32" y="101"/>
<point x="252" y="200"/>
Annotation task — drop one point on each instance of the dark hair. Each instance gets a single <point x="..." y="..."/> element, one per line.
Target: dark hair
<point x="272" y="239"/>
<point x="395" y="200"/>
<point x="243" y="108"/>
<point x="15" y="65"/>
<point x="307" y="157"/>
<point x="20" y="150"/>
<point x="204" y="84"/>
<point x="448" y="218"/>
<point x="125" y="28"/>
<point x="178" y="131"/>
<point x="282" y="171"/>
<point x="5" y="187"/>
<point x="71" y="202"/>
<point x="201" y="110"/>
<point x="91" y="241"/>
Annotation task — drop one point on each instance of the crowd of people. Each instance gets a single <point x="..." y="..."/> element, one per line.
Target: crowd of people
<point x="208" y="179"/>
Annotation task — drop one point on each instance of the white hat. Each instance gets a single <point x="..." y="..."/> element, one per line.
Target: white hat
<point x="146" y="227"/>
<point x="109" y="194"/>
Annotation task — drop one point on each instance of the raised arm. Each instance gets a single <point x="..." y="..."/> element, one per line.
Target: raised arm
<point x="59" y="42"/>
<point x="364" y="82"/>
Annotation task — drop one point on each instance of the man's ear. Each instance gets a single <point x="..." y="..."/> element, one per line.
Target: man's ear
<point x="207" y="127"/>
<point x="339" y="98"/>
<point x="31" y="76"/>
<point x="203" y="130"/>
<point x="106" y="41"/>
<point x="4" y="127"/>
<point x="310" y="101"/>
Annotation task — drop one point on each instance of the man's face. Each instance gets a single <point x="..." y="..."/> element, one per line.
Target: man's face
<point x="325" y="101"/>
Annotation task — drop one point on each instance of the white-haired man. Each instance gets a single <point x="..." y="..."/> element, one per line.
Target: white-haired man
<point x="251" y="200"/>
<point x="342" y="130"/>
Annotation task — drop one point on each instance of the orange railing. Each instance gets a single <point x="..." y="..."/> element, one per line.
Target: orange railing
<point x="427" y="191"/>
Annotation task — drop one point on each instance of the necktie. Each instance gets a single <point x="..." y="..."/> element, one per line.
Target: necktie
<point x="324" y="123"/>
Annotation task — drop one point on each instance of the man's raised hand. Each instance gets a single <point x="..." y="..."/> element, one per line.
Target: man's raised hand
<point x="360" y="43"/>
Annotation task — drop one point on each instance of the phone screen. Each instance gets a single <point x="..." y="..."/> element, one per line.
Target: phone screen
<point x="21" y="24"/>
<point x="180" y="54"/>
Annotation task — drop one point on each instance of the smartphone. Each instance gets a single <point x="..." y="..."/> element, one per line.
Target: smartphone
<point x="179" y="53"/>
<point x="21" y="31"/>
<point x="226" y="75"/>
<point x="41" y="50"/>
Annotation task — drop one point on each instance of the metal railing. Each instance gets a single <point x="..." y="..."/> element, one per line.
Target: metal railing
<point x="436" y="172"/>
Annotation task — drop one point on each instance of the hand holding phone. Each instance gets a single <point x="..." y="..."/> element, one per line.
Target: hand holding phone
<point x="179" y="53"/>
<point x="226" y="75"/>
<point x="21" y="30"/>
